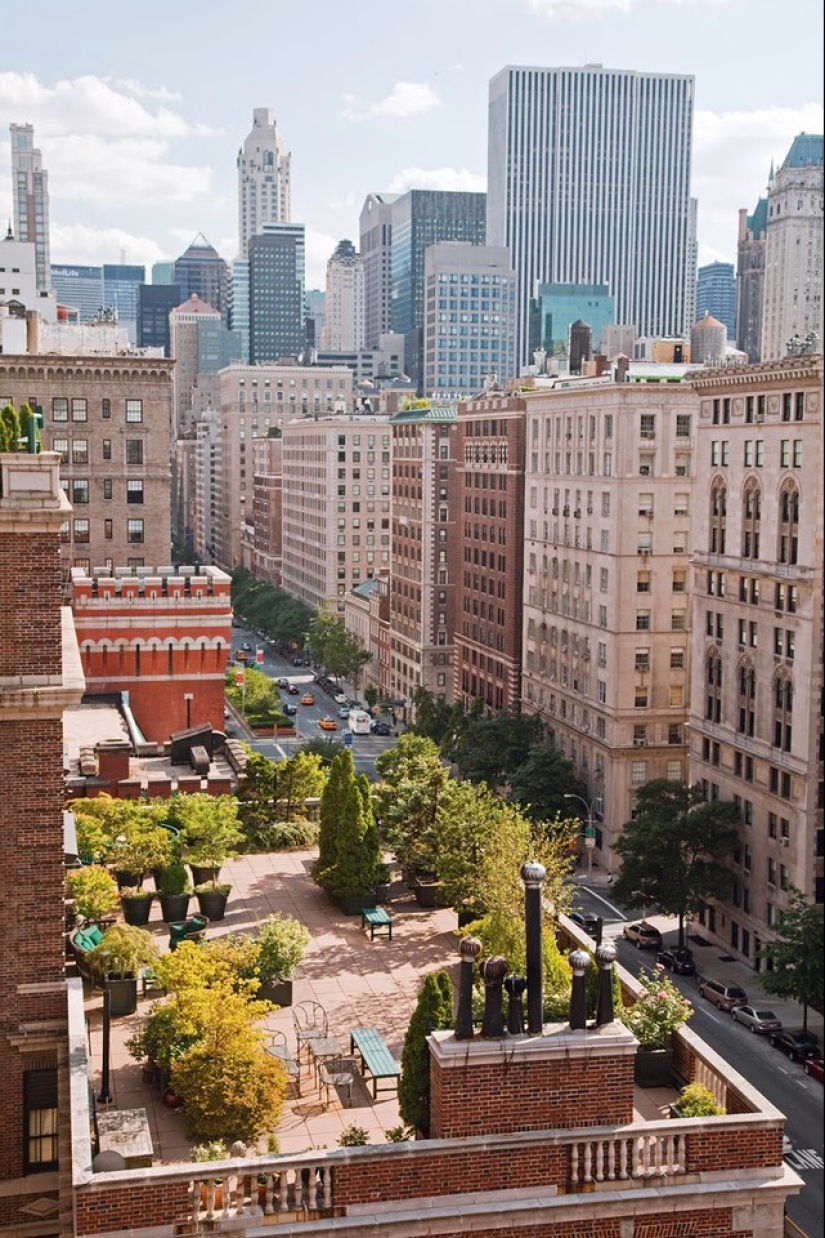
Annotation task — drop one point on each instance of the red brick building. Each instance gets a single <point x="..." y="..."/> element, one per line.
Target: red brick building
<point x="164" y="636"/>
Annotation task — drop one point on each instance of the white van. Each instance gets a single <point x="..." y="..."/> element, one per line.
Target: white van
<point x="359" y="722"/>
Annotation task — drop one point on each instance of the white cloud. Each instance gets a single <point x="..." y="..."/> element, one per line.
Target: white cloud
<point x="133" y="87"/>
<point x="580" y="8"/>
<point x="128" y="172"/>
<point x="731" y="162"/>
<point x="457" y="180"/>
<point x="320" y="247"/>
<point x="89" y="105"/>
<point x="76" y="243"/>
<point x="406" y="99"/>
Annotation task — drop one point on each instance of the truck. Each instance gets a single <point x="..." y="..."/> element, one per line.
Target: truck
<point x="359" y="722"/>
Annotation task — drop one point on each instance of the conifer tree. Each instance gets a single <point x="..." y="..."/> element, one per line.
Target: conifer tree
<point x="433" y="1011"/>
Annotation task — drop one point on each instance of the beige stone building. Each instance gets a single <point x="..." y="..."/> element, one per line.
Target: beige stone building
<point x="755" y="717"/>
<point x="606" y="635"/>
<point x="253" y="401"/>
<point x="109" y="419"/>
<point x="336" y="506"/>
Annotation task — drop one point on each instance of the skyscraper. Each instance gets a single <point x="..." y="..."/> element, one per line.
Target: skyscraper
<point x="264" y="186"/>
<point x="376" y="255"/>
<point x="750" y="279"/>
<point x="589" y="182"/>
<point x="422" y="217"/>
<point x="276" y="292"/>
<point x="344" y="303"/>
<point x="792" y="293"/>
<point x="716" y="294"/>
<point x="201" y="269"/>
<point x="30" y="192"/>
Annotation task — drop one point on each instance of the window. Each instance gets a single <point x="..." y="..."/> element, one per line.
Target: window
<point x="40" y="1116"/>
<point x="61" y="446"/>
<point x="638" y="772"/>
<point x="107" y="487"/>
<point x="134" y="530"/>
<point x="80" y="490"/>
<point x="677" y="659"/>
<point x="106" y="409"/>
<point x="80" y="451"/>
<point x="642" y="620"/>
<point x="134" y="451"/>
<point x="60" y="409"/>
<point x="80" y="410"/>
<point x="108" y="529"/>
<point x="107" y="449"/>
<point x="134" y="492"/>
<point x="640" y="697"/>
<point x="81" y="530"/>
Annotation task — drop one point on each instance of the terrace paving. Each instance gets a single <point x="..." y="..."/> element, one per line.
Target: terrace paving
<point x="359" y="983"/>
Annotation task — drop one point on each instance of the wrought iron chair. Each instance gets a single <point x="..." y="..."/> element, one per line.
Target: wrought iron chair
<point x="339" y="1073"/>
<point x="310" y="1021"/>
<point x="276" y="1045"/>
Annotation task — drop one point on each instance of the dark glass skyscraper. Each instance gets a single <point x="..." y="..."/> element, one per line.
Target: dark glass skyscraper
<point x="420" y="218"/>
<point x="201" y="269"/>
<point x="155" y="304"/>
<point x="276" y="292"/>
<point x="716" y="294"/>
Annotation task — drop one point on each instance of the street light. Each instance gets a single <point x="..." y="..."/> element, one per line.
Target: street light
<point x="589" y="829"/>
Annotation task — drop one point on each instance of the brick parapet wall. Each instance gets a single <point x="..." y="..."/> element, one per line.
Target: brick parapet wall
<point x="117" y="1210"/>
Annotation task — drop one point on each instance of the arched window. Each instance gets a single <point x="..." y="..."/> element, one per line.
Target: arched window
<point x="713" y="704"/>
<point x="788" y="548"/>
<point x="746" y="704"/>
<point x="718" y="515"/>
<point x="751" y="519"/>
<point x="782" y="696"/>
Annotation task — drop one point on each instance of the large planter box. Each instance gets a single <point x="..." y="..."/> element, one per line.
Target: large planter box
<point x="430" y="894"/>
<point x="354" y="904"/>
<point x="137" y="909"/>
<point x="653" y="1068"/>
<point x="122" y="994"/>
<point x="277" y="991"/>
<point x="174" y="907"/>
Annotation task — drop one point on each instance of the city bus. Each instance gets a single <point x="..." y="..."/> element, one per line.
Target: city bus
<point x="359" y="722"/>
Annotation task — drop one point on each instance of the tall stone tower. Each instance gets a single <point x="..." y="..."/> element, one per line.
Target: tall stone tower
<point x="264" y="184"/>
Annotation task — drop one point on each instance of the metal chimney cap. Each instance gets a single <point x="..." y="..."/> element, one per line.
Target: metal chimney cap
<point x="533" y="874"/>
<point x="469" y="947"/>
<point x="494" y="969"/>
<point x="606" y="954"/>
<point x="579" y="960"/>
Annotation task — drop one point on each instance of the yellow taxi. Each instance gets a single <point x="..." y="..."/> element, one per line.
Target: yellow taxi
<point x="307" y="699"/>
<point x="328" y="724"/>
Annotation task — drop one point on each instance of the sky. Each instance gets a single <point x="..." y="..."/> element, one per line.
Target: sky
<point x="139" y="110"/>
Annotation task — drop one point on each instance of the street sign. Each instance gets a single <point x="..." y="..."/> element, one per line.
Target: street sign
<point x="259" y="656"/>
<point x="348" y="738"/>
<point x="239" y="677"/>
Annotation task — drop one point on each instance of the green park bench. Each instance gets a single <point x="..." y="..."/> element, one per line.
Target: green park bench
<point x="376" y="1059"/>
<point x="375" y="918"/>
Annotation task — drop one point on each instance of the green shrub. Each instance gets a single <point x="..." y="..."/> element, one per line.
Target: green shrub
<point x="697" y="1101"/>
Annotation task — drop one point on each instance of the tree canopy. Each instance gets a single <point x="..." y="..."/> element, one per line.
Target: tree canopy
<point x="332" y="647"/>
<point x="673" y="851"/>
<point x="413" y="780"/>
<point x="491" y="749"/>
<point x="795" y="956"/>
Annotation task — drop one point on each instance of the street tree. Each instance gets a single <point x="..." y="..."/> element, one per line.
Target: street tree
<point x="412" y="780"/>
<point x="331" y="646"/>
<point x="673" y="852"/>
<point x="432" y="717"/>
<point x="541" y="782"/>
<point x="490" y="749"/>
<point x="795" y="956"/>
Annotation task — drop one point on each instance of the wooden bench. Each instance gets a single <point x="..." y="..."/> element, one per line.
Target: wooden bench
<point x="376" y="1059"/>
<point x="376" y="918"/>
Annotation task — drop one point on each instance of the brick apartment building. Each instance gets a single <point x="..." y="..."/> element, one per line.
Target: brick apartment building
<point x="109" y="420"/>
<point x="163" y="636"/>
<point x="488" y="640"/>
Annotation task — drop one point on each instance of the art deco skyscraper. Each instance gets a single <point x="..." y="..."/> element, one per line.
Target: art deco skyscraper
<point x="264" y="184"/>
<point x="30" y="191"/>
<point x="344" y="307"/>
<point x="589" y="182"/>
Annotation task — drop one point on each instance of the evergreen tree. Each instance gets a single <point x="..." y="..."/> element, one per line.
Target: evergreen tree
<point x="355" y="870"/>
<point x="433" y="1011"/>
<point x="333" y="806"/>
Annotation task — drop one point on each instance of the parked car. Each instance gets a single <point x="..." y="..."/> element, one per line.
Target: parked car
<point x="247" y="646"/>
<point x="293" y="689"/>
<point x="678" y="960"/>
<point x="757" y="1018"/>
<point x="341" y="698"/>
<point x="645" y="936"/>
<point x="586" y="920"/>
<point x="241" y="655"/>
<point x="797" y="1043"/>
<point x="297" y="661"/>
<point x="724" y="996"/>
<point x="289" y="709"/>
<point x="328" y="724"/>
<point x="380" y="728"/>
<point x="307" y="699"/>
<point x="814" y="1066"/>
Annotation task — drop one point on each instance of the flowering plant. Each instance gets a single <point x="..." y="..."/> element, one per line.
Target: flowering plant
<point x="658" y="1012"/>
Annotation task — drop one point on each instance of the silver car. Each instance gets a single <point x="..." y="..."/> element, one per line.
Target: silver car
<point x="757" y="1018"/>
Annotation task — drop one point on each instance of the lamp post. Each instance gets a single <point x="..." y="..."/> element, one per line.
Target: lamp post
<point x="589" y="829"/>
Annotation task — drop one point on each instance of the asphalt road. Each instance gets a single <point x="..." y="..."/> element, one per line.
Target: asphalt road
<point x="365" y="748"/>
<point x="782" y="1082"/>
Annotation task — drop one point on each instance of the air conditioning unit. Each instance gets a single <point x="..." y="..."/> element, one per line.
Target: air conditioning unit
<point x="566" y="511"/>
<point x="577" y="513"/>
<point x="783" y="842"/>
<point x="640" y="743"/>
<point x="645" y="550"/>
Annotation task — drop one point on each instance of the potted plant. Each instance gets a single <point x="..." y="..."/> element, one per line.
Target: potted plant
<point x="210" y="835"/>
<point x="653" y="1018"/>
<point x="94" y="891"/>
<point x="143" y="845"/>
<point x="117" y="958"/>
<point x="175" y="892"/>
<point x="353" y="1136"/>
<point x="281" y="943"/>
<point x="136" y="904"/>
<point x="696" y="1101"/>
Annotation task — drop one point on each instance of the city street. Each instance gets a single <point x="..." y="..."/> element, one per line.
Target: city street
<point x="782" y="1082"/>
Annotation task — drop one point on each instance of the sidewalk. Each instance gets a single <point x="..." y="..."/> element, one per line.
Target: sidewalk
<point x="713" y="960"/>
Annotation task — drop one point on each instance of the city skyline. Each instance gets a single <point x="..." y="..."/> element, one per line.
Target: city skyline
<point x="141" y="144"/>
